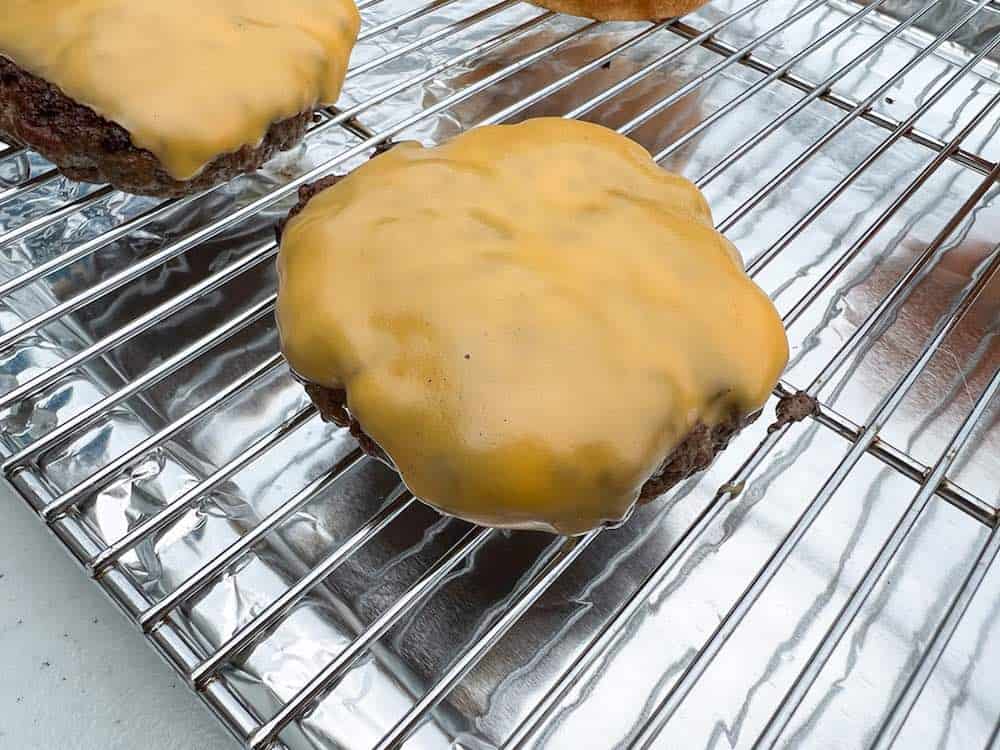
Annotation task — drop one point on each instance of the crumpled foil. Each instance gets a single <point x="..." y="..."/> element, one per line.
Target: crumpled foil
<point x="735" y="697"/>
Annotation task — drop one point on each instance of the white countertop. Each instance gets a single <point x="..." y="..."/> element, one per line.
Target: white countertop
<point x="76" y="674"/>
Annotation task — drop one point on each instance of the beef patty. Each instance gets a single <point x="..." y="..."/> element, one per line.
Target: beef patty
<point x="87" y="147"/>
<point x="693" y="454"/>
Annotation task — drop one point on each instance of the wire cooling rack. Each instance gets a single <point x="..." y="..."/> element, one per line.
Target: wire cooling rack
<point x="825" y="584"/>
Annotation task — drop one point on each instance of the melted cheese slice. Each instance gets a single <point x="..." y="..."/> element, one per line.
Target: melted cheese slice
<point x="188" y="79"/>
<point x="527" y="319"/>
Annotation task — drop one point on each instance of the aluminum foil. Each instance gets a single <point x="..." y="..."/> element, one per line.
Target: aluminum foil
<point x="735" y="697"/>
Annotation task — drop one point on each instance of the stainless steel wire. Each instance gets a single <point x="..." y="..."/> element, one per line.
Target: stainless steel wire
<point x="655" y="48"/>
<point x="874" y="573"/>
<point x="669" y="704"/>
<point x="199" y="580"/>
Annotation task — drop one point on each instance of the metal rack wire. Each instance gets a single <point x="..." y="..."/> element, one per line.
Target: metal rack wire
<point x="71" y="369"/>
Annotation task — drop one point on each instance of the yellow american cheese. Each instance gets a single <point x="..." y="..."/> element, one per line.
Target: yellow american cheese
<point x="189" y="80"/>
<point x="527" y="319"/>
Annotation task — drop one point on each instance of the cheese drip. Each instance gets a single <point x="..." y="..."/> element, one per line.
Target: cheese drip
<point x="189" y="80"/>
<point x="527" y="319"/>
